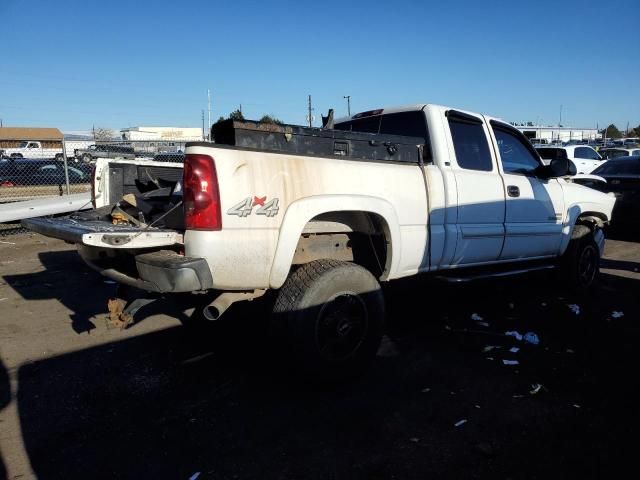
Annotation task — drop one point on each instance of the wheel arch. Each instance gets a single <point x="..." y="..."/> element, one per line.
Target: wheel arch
<point x="577" y="216"/>
<point x="351" y="209"/>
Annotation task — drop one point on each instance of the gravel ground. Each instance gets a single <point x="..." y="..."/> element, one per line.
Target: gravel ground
<point x="80" y="400"/>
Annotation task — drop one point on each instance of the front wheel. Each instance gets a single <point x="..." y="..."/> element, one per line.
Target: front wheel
<point x="580" y="264"/>
<point x="331" y="314"/>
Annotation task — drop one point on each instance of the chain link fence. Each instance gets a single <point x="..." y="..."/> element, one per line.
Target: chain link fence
<point x="31" y="171"/>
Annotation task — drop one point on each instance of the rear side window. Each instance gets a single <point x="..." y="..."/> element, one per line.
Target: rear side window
<point x="586" y="152"/>
<point x="552" y="153"/>
<point x="471" y="146"/>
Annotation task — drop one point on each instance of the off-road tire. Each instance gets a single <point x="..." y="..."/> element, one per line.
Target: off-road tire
<point x="331" y="316"/>
<point x="580" y="264"/>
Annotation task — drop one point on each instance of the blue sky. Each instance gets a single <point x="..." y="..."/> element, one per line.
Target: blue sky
<point x="72" y="64"/>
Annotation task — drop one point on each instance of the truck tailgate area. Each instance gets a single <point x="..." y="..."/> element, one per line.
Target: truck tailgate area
<point x="100" y="233"/>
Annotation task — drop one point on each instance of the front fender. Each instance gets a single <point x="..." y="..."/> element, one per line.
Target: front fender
<point x="300" y="212"/>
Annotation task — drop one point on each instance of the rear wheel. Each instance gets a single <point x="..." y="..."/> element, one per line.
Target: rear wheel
<point x="580" y="264"/>
<point x="331" y="314"/>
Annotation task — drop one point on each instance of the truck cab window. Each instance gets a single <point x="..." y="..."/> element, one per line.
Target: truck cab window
<point x="514" y="154"/>
<point x="471" y="146"/>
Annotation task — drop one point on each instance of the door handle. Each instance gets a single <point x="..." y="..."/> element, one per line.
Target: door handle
<point x="513" y="191"/>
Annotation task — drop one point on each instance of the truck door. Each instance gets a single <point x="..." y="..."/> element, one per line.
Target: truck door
<point x="534" y="206"/>
<point x="480" y="192"/>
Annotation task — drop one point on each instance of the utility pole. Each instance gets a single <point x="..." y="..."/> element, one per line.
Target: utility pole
<point x="348" y="97"/>
<point x="310" y="110"/>
<point x="560" y="123"/>
<point x="209" y="105"/>
<point x="203" y="125"/>
<point x="240" y="109"/>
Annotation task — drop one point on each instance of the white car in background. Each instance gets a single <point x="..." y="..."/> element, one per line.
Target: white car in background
<point x="585" y="158"/>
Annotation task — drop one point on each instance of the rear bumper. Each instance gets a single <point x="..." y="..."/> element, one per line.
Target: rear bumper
<point x="163" y="271"/>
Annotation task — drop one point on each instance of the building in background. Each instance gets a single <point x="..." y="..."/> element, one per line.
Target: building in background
<point x="179" y="134"/>
<point x="12" y="137"/>
<point x="564" y="134"/>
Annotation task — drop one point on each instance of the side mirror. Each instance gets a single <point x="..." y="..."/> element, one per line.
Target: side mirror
<point x="559" y="167"/>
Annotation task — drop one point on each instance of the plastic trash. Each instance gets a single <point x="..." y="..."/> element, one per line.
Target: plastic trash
<point x="535" y="388"/>
<point x="488" y="348"/>
<point x="574" y="308"/>
<point x="483" y="324"/>
<point x="616" y="314"/>
<point x="476" y="318"/>
<point x="515" y="334"/>
<point x="460" y="422"/>
<point x="425" y="390"/>
<point x="194" y="476"/>
<point x="414" y="439"/>
<point x="510" y="362"/>
<point x="514" y="349"/>
<point x="531" y="338"/>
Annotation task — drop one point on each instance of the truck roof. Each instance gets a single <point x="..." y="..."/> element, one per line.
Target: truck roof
<point x="408" y="108"/>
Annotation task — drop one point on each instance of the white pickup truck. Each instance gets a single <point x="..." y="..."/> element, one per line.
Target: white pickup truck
<point x="35" y="150"/>
<point x="324" y="215"/>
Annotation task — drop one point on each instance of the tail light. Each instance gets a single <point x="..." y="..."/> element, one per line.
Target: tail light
<point x="201" y="196"/>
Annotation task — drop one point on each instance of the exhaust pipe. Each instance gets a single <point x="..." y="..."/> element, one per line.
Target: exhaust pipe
<point x="215" y="309"/>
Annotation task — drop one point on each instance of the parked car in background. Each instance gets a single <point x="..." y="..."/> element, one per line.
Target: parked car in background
<point x="610" y="153"/>
<point x="584" y="157"/>
<point x="104" y="151"/>
<point x="41" y="172"/>
<point x="623" y="180"/>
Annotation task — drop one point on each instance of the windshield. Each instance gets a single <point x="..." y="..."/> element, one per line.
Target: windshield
<point x="628" y="166"/>
<point x="23" y="145"/>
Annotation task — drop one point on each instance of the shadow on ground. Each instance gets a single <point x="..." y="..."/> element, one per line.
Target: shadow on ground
<point x="68" y="279"/>
<point x="170" y="403"/>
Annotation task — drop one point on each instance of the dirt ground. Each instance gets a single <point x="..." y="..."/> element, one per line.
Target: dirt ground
<point x="80" y="400"/>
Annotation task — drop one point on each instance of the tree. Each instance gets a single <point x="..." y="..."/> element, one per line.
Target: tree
<point x="103" y="134"/>
<point x="529" y="124"/>
<point x="270" y="119"/>
<point x="236" y="115"/>
<point x="611" y="132"/>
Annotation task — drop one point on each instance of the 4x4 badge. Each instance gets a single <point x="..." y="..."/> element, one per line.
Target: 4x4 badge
<point x="245" y="207"/>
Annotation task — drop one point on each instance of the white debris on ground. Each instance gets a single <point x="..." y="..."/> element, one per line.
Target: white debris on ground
<point x="535" y="388"/>
<point x="616" y="314"/>
<point x="515" y="334"/>
<point x="514" y="349"/>
<point x="476" y="318"/>
<point x="510" y="362"/>
<point x="460" y="422"/>
<point x="574" y="308"/>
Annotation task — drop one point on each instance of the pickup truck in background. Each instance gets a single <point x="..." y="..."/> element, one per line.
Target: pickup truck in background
<point x="585" y="158"/>
<point x="92" y="152"/>
<point x="33" y="149"/>
<point x="322" y="216"/>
